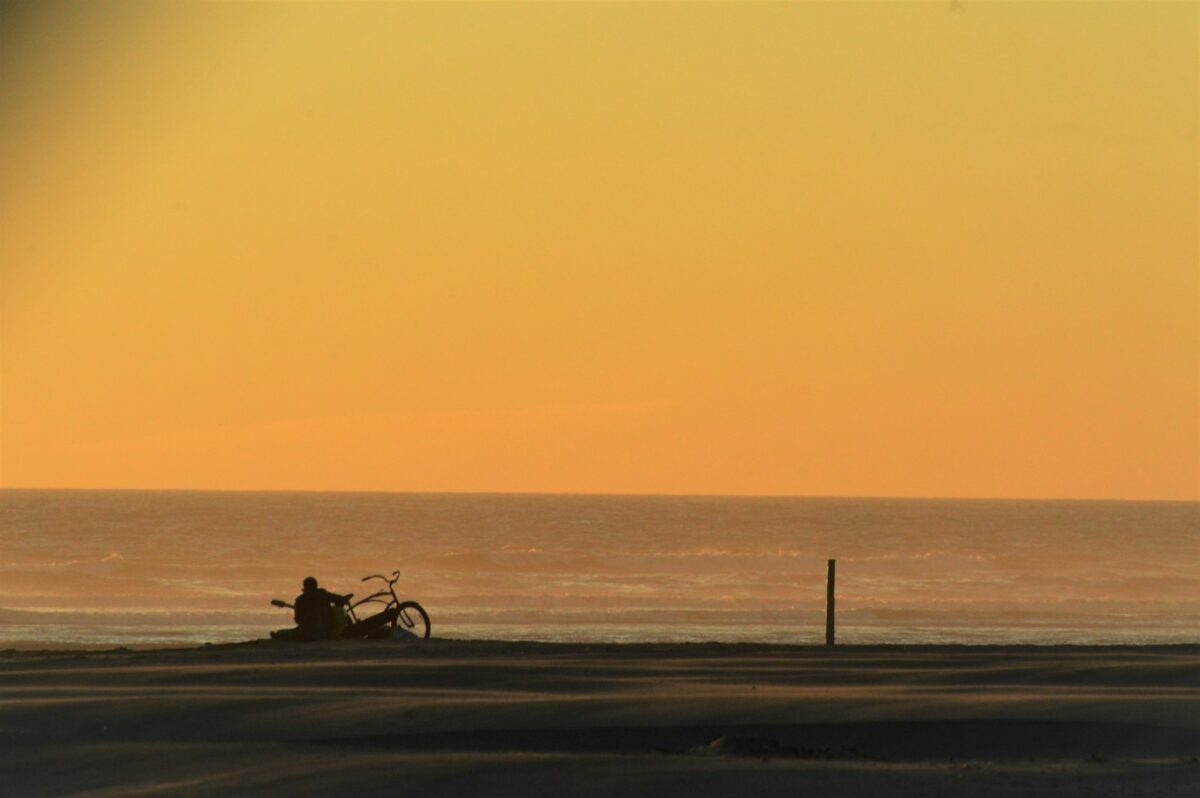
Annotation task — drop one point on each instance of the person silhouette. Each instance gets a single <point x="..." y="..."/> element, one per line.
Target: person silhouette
<point x="316" y="614"/>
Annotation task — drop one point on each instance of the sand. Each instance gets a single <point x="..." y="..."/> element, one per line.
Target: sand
<point x="445" y="718"/>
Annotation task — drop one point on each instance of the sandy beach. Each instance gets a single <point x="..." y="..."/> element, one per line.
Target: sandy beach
<point x="476" y="718"/>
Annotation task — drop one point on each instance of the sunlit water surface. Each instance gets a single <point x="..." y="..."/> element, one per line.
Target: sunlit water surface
<point x="154" y="568"/>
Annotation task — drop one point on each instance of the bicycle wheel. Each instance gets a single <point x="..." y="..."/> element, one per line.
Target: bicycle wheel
<point x="412" y="618"/>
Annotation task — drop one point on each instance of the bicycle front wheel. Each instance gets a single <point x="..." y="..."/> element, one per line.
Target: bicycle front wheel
<point x="412" y="618"/>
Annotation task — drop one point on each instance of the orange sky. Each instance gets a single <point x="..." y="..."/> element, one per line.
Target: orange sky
<point x="824" y="249"/>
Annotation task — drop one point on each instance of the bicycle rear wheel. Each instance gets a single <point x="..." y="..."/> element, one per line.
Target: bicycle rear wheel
<point x="412" y="618"/>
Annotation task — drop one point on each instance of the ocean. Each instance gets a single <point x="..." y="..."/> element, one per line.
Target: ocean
<point x="156" y="568"/>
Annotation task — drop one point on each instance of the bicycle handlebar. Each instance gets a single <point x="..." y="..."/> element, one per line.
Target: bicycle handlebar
<point x="391" y="583"/>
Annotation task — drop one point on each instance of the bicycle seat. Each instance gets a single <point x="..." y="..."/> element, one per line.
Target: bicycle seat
<point x="349" y="596"/>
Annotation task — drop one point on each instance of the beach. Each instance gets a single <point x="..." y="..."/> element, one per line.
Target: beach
<point x="450" y="717"/>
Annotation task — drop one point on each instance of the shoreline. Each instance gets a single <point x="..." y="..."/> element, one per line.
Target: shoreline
<point x="28" y="648"/>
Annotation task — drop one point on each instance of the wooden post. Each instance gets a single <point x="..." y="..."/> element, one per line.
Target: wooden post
<point x="829" y="603"/>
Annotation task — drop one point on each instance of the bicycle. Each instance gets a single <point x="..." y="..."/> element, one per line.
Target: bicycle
<point x="408" y="616"/>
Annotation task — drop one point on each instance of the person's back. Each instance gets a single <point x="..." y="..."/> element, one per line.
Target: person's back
<point x="314" y="611"/>
<point x="313" y="614"/>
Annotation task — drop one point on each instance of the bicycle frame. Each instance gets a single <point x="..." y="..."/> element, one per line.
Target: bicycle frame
<point x="388" y="597"/>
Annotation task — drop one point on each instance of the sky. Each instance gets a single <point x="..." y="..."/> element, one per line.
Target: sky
<point x="852" y="249"/>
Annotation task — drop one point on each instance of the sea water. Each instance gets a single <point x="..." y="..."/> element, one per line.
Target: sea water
<point x="164" y="568"/>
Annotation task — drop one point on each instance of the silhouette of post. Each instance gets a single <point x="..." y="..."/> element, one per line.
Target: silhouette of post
<point x="829" y="603"/>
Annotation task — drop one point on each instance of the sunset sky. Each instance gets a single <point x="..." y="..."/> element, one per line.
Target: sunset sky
<point x="820" y="249"/>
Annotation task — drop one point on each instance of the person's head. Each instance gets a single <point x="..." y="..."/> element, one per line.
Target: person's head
<point x="310" y="583"/>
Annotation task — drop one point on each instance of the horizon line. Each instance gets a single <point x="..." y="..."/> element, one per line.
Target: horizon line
<point x="601" y="494"/>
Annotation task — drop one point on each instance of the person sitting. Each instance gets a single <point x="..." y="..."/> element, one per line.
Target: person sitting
<point x="317" y="613"/>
